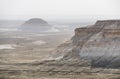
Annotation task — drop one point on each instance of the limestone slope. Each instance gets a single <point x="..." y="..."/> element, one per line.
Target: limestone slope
<point x="98" y="43"/>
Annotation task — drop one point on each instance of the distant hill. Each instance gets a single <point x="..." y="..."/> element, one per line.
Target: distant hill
<point x="35" y="25"/>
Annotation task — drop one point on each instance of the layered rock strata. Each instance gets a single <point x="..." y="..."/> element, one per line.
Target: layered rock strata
<point x="99" y="43"/>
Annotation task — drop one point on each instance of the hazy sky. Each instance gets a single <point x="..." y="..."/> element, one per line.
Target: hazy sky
<point x="76" y="9"/>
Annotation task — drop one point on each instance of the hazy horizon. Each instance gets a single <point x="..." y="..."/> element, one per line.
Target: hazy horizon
<point x="60" y="10"/>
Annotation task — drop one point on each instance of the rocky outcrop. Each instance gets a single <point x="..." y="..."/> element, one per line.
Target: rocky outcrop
<point x="35" y="25"/>
<point x="98" y="43"/>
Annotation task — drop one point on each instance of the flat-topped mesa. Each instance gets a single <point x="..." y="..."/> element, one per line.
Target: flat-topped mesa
<point x="85" y="31"/>
<point x="108" y="24"/>
<point x="110" y="28"/>
<point x="101" y="22"/>
<point x="98" y="43"/>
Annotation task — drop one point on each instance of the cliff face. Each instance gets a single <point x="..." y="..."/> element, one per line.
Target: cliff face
<point x="106" y="25"/>
<point x="98" y="43"/>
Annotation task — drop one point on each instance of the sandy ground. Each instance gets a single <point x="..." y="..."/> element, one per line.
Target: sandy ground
<point x="28" y="47"/>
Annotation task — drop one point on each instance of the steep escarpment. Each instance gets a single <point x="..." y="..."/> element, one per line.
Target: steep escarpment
<point x="103" y="47"/>
<point x="98" y="43"/>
